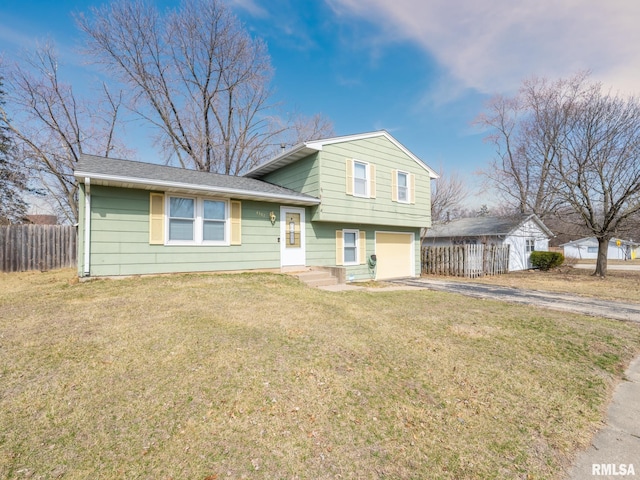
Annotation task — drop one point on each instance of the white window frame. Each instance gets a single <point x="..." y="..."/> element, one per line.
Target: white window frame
<point x="198" y="227"/>
<point x="367" y="179"/>
<point x="356" y="261"/>
<point x="407" y="187"/>
<point x="530" y="245"/>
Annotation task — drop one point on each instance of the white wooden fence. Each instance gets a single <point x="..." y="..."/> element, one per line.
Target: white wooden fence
<point x="470" y="261"/>
<point x="37" y="247"/>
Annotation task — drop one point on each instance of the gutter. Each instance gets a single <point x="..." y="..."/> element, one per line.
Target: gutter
<point x="87" y="227"/>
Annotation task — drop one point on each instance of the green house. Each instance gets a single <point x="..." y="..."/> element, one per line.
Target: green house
<point x="354" y="204"/>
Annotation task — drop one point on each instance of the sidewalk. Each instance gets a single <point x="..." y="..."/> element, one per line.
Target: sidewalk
<point x="615" y="449"/>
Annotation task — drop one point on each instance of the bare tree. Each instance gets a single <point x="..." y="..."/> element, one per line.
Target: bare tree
<point x="448" y="193"/>
<point x="568" y="149"/>
<point x="298" y="128"/>
<point x="526" y="130"/>
<point x="52" y="126"/>
<point x="598" y="166"/>
<point x="196" y="74"/>
<point x="13" y="180"/>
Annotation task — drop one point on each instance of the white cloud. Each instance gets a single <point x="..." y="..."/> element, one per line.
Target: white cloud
<point x="250" y="6"/>
<point x="490" y="46"/>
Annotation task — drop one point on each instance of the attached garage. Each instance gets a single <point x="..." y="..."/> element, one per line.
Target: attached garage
<point x="395" y="255"/>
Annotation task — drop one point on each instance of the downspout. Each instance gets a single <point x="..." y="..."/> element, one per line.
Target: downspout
<point x="87" y="226"/>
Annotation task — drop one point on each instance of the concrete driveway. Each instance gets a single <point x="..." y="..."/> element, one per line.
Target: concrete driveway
<point x="551" y="300"/>
<point x="628" y="267"/>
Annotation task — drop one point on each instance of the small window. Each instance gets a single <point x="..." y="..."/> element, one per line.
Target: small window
<point x="360" y="179"/>
<point x="403" y="187"/>
<point x="592" y="249"/>
<point x="350" y="247"/>
<point x="530" y="245"/>
<point x="182" y="215"/>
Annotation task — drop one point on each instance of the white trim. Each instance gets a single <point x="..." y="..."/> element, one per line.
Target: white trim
<point x="292" y="259"/>
<point x="198" y="222"/>
<point x="203" y="188"/>
<point x="367" y="180"/>
<point x="407" y="186"/>
<point x="357" y="246"/>
<point x="87" y="227"/>
<point x="307" y="148"/>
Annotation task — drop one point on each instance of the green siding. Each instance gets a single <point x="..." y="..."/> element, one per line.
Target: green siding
<point x="120" y="239"/>
<point x="302" y="176"/>
<point x="120" y="218"/>
<point x="321" y="246"/>
<point x="337" y="206"/>
<point x="323" y="175"/>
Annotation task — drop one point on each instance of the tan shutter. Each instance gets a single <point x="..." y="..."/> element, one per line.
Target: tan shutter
<point x="412" y="188"/>
<point x="362" y="239"/>
<point x="349" y="176"/>
<point x="339" y="248"/>
<point x="236" y="222"/>
<point x="372" y="181"/>
<point x="394" y="185"/>
<point x="156" y="219"/>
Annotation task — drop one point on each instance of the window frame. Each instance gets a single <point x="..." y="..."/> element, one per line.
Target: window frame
<point x="407" y="187"/>
<point x="367" y="179"/>
<point x="355" y="247"/>
<point x="529" y="245"/>
<point x="199" y="221"/>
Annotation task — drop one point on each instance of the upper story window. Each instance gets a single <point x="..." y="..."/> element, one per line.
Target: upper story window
<point x="197" y="221"/>
<point x="403" y="186"/>
<point x="360" y="179"/>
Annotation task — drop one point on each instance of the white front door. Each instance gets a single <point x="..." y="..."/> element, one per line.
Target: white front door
<point x="292" y="236"/>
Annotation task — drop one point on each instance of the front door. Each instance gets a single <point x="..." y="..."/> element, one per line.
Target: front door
<point x="292" y="236"/>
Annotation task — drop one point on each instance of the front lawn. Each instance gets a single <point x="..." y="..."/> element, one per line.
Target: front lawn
<point x="257" y="376"/>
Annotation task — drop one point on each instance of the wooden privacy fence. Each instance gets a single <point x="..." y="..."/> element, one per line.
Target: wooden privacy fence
<point x="37" y="247"/>
<point x="466" y="260"/>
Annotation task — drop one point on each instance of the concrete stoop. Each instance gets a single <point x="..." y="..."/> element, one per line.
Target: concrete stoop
<point x="318" y="277"/>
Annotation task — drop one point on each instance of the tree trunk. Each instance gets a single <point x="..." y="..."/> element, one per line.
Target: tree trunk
<point x="601" y="262"/>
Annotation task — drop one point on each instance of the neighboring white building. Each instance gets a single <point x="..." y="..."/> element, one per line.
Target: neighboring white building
<point x="587" y="248"/>
<point x="523" y="233"/>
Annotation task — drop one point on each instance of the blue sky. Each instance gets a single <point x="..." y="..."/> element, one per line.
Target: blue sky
<point x="421" y="69"/>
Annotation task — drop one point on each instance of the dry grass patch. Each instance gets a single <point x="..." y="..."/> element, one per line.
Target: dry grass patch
<point x="617" y="285"/>
<point x="258" y="376"/>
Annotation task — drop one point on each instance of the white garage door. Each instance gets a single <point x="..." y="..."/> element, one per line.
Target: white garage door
<point x="394" y="252"/>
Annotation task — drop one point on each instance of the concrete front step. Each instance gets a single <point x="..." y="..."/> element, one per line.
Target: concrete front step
<point x="317" y="278"/>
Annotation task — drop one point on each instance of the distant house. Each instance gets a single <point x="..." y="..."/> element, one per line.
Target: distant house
<point x="587" y="248"/>
<point x="523" y="233"/>
<point x="38" y="219"/>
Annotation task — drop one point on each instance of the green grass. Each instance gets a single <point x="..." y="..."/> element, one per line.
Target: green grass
<point x="258" y="376"/>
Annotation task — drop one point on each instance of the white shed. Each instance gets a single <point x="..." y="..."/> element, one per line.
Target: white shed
<point x="524" y="234"/>
<point x="587" y="248"/>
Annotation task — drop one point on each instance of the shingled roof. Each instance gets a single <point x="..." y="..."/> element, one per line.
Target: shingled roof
<point x="131" y="174"/>
<point x="483" y="226"/>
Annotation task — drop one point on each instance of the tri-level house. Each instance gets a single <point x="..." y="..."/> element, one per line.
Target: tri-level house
<point x="355" y="204"/>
